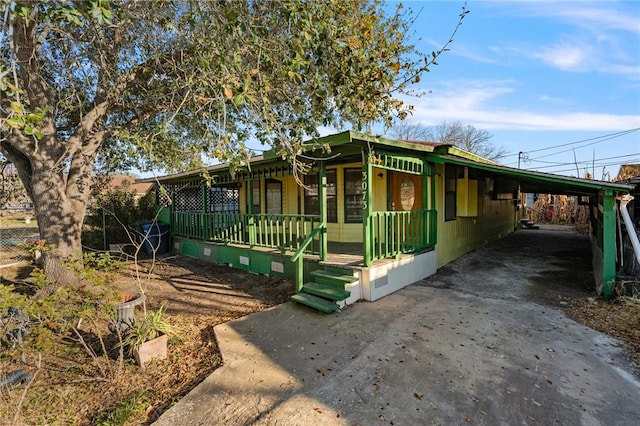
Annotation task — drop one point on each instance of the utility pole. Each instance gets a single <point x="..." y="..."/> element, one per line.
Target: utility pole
<point x="519" y="157"/>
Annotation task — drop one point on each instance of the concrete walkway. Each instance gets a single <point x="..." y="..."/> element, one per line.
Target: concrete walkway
<point x="484" y="341"/>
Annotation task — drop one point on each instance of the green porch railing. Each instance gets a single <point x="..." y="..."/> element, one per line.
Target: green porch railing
<point x="282" y="232"/>
<point x="297" y="258"/>
<point x="394" y="233"/>
<point x="227" y="227"/>
<point x="188" y="225"/>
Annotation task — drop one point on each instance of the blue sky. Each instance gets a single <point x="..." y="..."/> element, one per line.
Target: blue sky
<point x="536" y="75"/>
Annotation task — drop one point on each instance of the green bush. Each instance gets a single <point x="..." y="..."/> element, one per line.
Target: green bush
<point x="113" y="212"/>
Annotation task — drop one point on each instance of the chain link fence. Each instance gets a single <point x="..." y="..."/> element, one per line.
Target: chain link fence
<point x="16" y="228"/>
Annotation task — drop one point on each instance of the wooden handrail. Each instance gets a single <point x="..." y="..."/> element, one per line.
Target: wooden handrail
<point x="298" y="257"/>
<point x="306" y="243"/>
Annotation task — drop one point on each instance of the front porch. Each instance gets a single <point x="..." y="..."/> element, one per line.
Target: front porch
<point x="359" y="224"/>
<point x="397" y="252"/>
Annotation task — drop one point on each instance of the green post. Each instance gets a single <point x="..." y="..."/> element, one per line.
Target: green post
<point x="205" y="222"/>
<point x="251" y="222"/>
<point x="366" y="208"/>
<point x="322" y="198"/>
<point x="608" y="242"/>
<point x="425" y="203"/>
<point x="433" y="217"/>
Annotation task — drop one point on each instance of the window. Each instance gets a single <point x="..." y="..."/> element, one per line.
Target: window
<point x="352" y="195"/>
<point x="450" y="181"/>
<point x="407" y="194"/>
<point x="311" y="200"/>
<point x="255" y="208"/>
<point x="273" y="197"/>
<point x="222" y="199"/>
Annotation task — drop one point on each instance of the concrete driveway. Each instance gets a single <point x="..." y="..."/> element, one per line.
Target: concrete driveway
<point x="484" y="341"/>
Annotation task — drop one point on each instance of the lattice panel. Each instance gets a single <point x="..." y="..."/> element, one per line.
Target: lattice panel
<point x="188" y="199"/>
<point x="223" y="199"/>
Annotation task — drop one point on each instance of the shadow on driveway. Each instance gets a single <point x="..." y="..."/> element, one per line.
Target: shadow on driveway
<point x="482" y="341"/>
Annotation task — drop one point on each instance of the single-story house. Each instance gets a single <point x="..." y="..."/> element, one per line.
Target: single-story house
<point x="373" y="216"/>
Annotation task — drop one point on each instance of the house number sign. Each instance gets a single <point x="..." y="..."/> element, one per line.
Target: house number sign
<point x="364" y="190"/>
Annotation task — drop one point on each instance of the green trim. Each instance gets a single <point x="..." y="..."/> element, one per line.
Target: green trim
<point x="528" y="175"/>
<point x="426" y="230"/>
<point x="458" y="152"/>
<point x="322" y="199"/>
<point x="401" y="163"/>
<point x="251" y="222"/>
<point x="298" y="258"/>
<point x="608" y="243"/>
<point x="366" y="207"/>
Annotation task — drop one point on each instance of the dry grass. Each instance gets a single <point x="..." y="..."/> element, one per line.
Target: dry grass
<point x="69" y="389"/>
<point x="619" y="318"/>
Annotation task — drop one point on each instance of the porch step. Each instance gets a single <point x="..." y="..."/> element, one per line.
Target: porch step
<point x="332" y="278"/>
<point x="323" y="305"/>
<point x="325" y="291"/>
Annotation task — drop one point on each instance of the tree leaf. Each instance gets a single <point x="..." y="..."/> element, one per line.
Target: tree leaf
<point x="15" y="122"/>
<point x="17" y="107"/>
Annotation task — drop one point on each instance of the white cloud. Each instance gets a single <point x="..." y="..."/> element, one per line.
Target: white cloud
<point x="474" y="102"/>
<point x="554" y="100"/>
<point x="594" y="18"/>
<point x="616" y="16"/>
<point x="566" y="55"/>
<point x="602" y="38"/>
<point x="473" y="55"/>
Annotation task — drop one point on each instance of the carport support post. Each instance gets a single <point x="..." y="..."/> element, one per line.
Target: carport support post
<point x="608" y="242"/>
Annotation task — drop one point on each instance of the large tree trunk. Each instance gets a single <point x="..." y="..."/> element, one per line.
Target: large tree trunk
<point x="56" y="172"/>
<point x="60" y="223"/>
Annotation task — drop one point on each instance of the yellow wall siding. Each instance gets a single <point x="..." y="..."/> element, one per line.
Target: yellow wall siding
<point x="289" y="195"/>
<point x="495" y="219"/>
<point x="379" y="189"/>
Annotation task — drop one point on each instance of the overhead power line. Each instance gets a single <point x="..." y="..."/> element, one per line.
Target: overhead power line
<point x="597" y="139"/>
<point x="586" y="162"/>
<point x="586" y="167"/>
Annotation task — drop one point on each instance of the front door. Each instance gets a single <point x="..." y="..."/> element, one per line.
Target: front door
<point x="406" y="230"/>
<point x="406" y="192"/>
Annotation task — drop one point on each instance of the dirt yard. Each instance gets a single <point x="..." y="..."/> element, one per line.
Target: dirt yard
<point x="198" y="295"/>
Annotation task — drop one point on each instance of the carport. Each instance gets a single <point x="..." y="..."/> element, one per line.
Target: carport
<point x="600" y="196"/>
